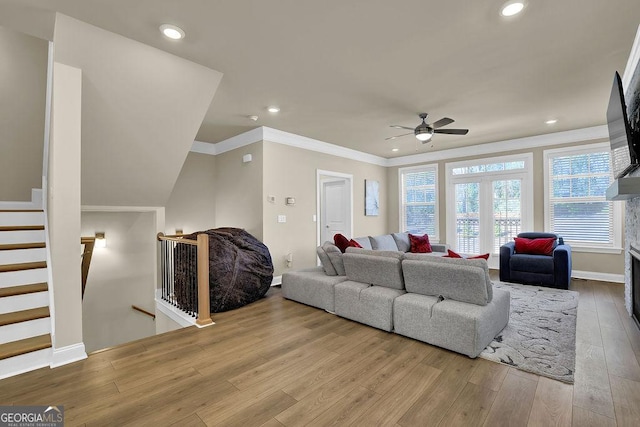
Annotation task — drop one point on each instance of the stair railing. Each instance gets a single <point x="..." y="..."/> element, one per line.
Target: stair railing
<point x="87" y="252"/>
<point x="184" y="271"/>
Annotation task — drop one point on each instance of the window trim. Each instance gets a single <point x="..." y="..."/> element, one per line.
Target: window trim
<point x="428" y="167"/>
<point x="617" y="216"/>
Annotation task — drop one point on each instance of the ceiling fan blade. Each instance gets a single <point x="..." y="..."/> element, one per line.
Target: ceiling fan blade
<point x="398" y="136"/>
<point x="400" y="127"/>
<point x="442" y="122"/>
<point x="452" y="131"/>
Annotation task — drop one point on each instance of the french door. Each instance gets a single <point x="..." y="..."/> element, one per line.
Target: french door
<point x="487" y="209"/>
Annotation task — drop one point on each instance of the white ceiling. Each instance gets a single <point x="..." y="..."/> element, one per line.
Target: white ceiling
<point x="342" y="71"/>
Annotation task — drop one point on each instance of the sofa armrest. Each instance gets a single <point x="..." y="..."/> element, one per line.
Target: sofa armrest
<point x="439" y="247"/>
<point x="506" y="251"/>
<point x="562" y="266"/>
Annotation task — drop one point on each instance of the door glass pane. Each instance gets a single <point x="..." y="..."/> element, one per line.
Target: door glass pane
<point x="468" y="217"/>
<point x="506" y="211"/>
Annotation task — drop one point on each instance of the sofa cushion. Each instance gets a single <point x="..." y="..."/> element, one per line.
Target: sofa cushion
<point x="402" y="241"/>
<point x="456" y="279"/>
<point x="385" y="242"/>
<point x="420" y="244"/>
<point x="335" y="256"/>
<point x="327" y="266"/>
<point x="371" y="305"/>
<point x="364" y="242"/>
<point x="311" y="286"/>
<point x="480" y="263"/>
<point x="532" y="263"/>
<point x="464" y="328"/>
<point x="381" y="268"/>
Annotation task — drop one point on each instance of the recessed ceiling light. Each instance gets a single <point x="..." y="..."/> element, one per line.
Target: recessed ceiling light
<point x="395" y="149"/>
<point x="551" y="121"/>
<point x="273" y="109"/>
<point x="511" y="8"/>
<point x="171" y="31"/>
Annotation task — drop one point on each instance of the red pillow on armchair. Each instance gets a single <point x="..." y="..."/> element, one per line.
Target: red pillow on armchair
<point x="542" y="246"/>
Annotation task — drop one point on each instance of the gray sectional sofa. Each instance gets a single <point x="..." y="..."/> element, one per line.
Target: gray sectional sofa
<point x="446" y="302"/>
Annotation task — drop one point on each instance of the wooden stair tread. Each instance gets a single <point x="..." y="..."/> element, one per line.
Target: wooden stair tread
<point x="16" y="348"/>
<point x="23" y="289"/>
<point x="24" y="315"/>
<point x="14" y="246"/>
<point x="21" y="210"/>
<point x="21" y="227"/>
<point x="23" y="266"/>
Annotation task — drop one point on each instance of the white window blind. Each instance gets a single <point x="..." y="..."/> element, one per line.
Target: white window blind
<point x="577" y="208"/>
<point x="419" y="201"/>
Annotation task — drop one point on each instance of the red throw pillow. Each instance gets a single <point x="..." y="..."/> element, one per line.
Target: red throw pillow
<point x="354" y="244"/>
<point x="341" y="242"/>
<point x="452" y="254"/>
<point x="542" y="246"/>
<point x="420" y="244"/>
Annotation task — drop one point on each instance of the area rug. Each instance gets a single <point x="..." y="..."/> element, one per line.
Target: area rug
<point x="541" y="334"/>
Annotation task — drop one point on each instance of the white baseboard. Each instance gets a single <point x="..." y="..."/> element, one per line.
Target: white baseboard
<point x="69" y="354"/>
<point x="593" y="275"/>
<point x="277" y="280"/>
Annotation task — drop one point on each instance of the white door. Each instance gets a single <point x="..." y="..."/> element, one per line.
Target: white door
<point x="335" y="207"/>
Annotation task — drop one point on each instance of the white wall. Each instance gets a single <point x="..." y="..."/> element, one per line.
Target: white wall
<point x="64" y="207"/>
<point x="23" y="79"/>
<point x="120" y="275"/>
<point x="192" y="204"/>
<point x="142" y="108"/>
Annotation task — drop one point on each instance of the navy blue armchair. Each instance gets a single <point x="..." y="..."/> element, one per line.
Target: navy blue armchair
<point x="547" y="270"/>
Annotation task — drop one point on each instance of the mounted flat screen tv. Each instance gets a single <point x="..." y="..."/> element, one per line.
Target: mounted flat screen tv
<point x="623" y="139"/>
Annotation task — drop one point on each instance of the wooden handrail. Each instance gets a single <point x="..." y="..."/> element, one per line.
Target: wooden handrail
<point x="87" y="253"/>
<point x="142" y="310"/>
<point x="176" y="238"/>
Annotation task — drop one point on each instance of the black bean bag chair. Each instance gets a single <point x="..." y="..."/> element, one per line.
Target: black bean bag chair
<point x="240" y="270"/>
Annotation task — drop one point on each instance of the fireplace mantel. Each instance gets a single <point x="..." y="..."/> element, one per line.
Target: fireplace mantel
<point x="624" y="188"/>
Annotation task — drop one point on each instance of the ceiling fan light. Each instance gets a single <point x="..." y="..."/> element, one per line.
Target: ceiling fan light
<point x="512" y="8"/>
<point x="424" y="135"/>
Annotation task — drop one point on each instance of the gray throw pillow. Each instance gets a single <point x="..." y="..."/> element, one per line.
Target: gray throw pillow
<point x="326" y="262"/>
<point x="402" y="241"/>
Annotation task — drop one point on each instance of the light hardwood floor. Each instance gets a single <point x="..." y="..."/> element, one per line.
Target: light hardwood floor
<point x="277" y="362"/>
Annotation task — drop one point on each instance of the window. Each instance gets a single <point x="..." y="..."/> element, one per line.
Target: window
<point x="576" y="181"/>
<point x="419" y="200"/>
<point x="488" y="203"/>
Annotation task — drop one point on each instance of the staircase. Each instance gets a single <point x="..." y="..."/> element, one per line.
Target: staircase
<point x="25" y="323"/>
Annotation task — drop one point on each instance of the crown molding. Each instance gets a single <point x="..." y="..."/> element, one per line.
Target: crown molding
<point x="277" y="136"/>
<point x="557" y="138"/>
<point x="299" y="141"/>
<point x="632" y="62"/>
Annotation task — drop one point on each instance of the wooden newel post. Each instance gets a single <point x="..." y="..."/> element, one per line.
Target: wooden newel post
<point x="204" y="308"/>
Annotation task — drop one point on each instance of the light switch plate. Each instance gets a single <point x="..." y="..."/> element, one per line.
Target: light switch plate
<point x="282" y="218"/>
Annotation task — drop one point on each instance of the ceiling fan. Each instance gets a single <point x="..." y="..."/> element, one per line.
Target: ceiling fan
<point x="425" y="131"/>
